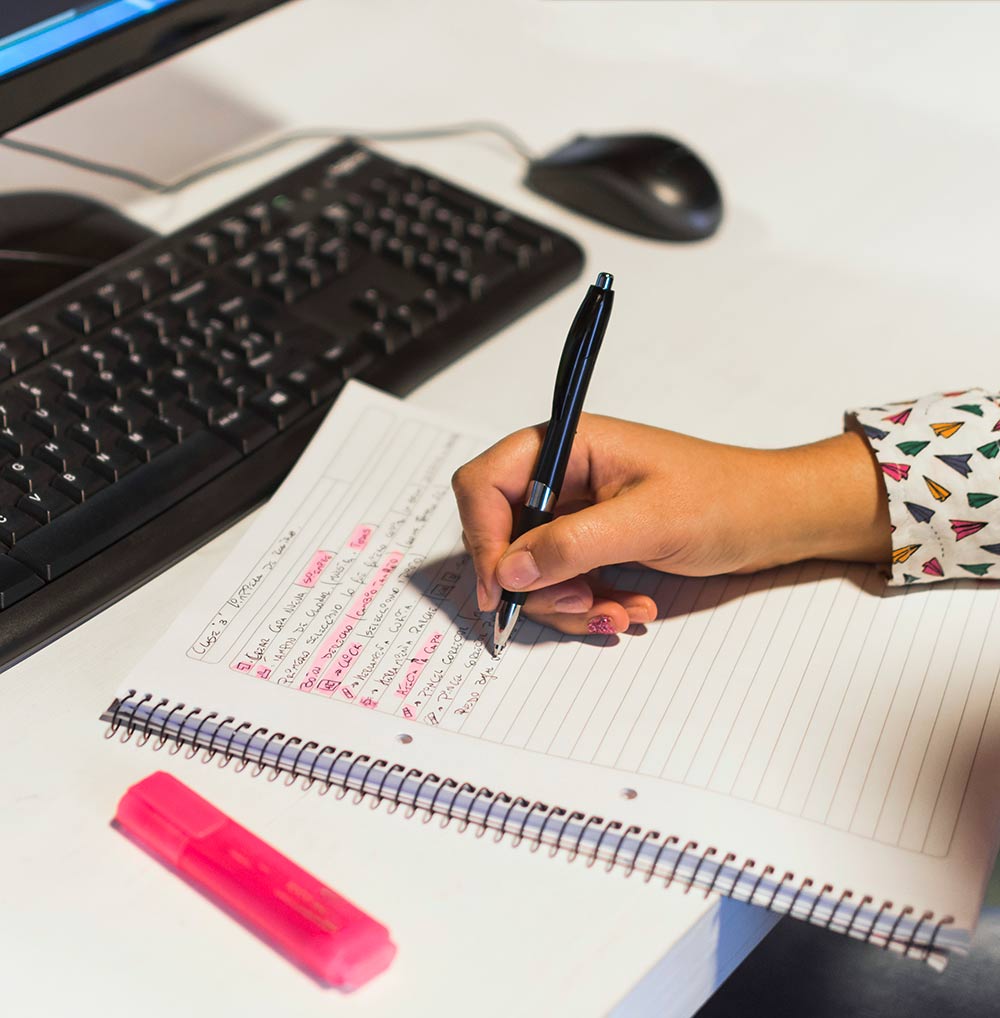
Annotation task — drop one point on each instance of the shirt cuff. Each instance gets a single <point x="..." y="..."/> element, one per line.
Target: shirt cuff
<point x="940" y="457"/>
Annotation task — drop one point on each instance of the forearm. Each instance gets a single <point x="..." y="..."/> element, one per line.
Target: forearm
<point x="822" y="500"/>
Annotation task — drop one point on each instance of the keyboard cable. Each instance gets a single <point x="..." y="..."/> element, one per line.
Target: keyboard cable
<point x="148" y="183"/>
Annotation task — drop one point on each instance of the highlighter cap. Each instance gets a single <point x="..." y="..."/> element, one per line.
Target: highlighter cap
<point x="162" y="813"/>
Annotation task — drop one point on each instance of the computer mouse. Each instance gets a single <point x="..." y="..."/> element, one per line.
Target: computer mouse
<point x="643" y="183"/>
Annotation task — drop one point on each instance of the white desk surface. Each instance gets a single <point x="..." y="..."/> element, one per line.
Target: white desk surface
<point x="858" y="148"/>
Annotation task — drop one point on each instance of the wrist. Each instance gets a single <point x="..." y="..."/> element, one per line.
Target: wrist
<point x="835" y="502"/>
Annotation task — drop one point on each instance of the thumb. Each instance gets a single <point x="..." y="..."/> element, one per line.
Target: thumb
<point x="602" y="534"/>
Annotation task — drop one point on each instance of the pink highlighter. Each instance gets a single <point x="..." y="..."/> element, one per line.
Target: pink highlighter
<point x="324" y="933"/>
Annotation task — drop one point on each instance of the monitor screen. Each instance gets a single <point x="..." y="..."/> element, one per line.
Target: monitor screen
<point x="55" y="51"/>
<point x="33" y="30"/>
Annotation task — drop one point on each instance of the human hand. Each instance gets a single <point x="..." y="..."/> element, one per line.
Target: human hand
<point x="635" y="493"/>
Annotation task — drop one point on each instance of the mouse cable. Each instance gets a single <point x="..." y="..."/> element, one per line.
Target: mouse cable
<point x="288" y="138"/>
<point x="47" y="258"/>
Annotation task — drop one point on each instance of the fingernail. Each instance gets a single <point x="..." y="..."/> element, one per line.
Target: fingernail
<point x="481" y="595"/>
<point x="518" y="570"/>
<point x="641" y="614"/>
<point x="572" y="603"/>
<point x="603" y="624"/>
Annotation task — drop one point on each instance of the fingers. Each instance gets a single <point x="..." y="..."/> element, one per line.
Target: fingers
<point x="603" y="534"/>
<point x="487" y="487"/>
<point x="570" y="597"/>
<point x="600" y="609"/>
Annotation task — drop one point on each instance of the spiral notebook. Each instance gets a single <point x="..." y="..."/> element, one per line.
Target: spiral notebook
<point x="801" y="739"/>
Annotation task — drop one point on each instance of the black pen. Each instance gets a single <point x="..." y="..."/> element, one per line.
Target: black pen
<point x="575" y="368"/>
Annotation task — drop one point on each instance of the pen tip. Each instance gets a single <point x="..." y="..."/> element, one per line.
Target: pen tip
<point x="503" y="625"/>
<point x="604" y="281"/>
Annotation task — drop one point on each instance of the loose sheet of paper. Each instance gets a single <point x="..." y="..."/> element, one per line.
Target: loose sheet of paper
<point x="807" y="691"/>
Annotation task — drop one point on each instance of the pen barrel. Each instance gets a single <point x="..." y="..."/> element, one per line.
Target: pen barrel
<point x="576" y="367"/>
<point x="528" y="518"/>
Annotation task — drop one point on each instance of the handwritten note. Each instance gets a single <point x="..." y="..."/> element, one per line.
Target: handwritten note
<point x="366" y="596"/>
<point x="804" y="690"/>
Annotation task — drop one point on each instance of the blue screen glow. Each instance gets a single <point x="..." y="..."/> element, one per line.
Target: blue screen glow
<point x="69" y="28"/>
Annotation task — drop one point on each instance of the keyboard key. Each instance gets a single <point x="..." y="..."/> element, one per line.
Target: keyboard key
<point x="94" y="436"/>
<point x="385" y="338"/>
<point x="45" y="504"/>
<point x="338" y="216"/>
<point x="286" y="286"/>
<point x="117" y="298"/>
<point x="69" y="374"/>
<point x="318" y="382"/>
<point x="14" y="525"/>
<point x="280" y="405"/>
<point x="176" y="424"/>
<point x="85" y="404"/>
<point x="19" y="439"/>
<point x="44" y="340"/>
<point x="432" y="267"/>
<point x="304" y="238"/>
<point x="84" y="316"/>
<point x="144" y="445"/>
<point x="175" y="268"/>
<point x="16" y="581"/>
<point x="79" y="485"/>
<point x="52" y="421"/>
<point x="244" y="429"/>
<point x="16" y="355"/>
<point x="9" y="493"/>
<point x="112" y="465"/>
<point x="312" y="270"/>
<point x="57" y="455"/>
<point x="27" y="473"/>
<point x="336" y="252"/>
<point x="127" y="416"/>
<point x="117" y="510"/>
<point x="109" y="384"/>
<point x="149" y="281"/>
<point x="349" y="358"/>
<point x="209" y="247"/>
<point x="373" y="302"/>
<point x="99" y="356"/>
<point x="276" y="253"/>
<point x="263" y="217"/>
<point x="238" y="232"/>
<point x="33" y="394"/>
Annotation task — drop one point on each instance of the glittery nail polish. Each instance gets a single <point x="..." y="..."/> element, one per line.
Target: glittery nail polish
<point x="601" y="624"/>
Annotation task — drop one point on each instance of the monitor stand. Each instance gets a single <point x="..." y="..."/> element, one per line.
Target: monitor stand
<point x="63" y="235"/>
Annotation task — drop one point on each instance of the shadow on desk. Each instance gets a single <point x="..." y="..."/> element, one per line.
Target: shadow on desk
<point x="802" y="971"/>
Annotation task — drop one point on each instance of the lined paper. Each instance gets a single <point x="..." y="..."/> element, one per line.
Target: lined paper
<point x="804" y="721"/>
<point x="810" y="690"/>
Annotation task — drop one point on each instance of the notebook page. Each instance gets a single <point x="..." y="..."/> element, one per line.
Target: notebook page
<point x="803" y="716"/>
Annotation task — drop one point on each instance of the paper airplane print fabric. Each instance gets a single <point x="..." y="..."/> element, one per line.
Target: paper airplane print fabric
<point x="940" y="459"/>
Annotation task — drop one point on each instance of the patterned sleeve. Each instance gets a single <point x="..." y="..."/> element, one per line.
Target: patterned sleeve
<point x="939" y="456"/>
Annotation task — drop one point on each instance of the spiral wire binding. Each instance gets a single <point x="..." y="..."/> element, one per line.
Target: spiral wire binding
<point x="571" y="832"/>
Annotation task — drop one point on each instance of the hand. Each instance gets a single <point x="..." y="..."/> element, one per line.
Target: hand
<point x="635" y="493"/>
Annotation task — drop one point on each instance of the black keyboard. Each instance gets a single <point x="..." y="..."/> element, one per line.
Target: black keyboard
<point x="156" y="399"/>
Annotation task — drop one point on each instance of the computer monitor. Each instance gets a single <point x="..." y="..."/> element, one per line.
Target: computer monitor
<point x="55" y="51"/>
<point x="51" y="53"/>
